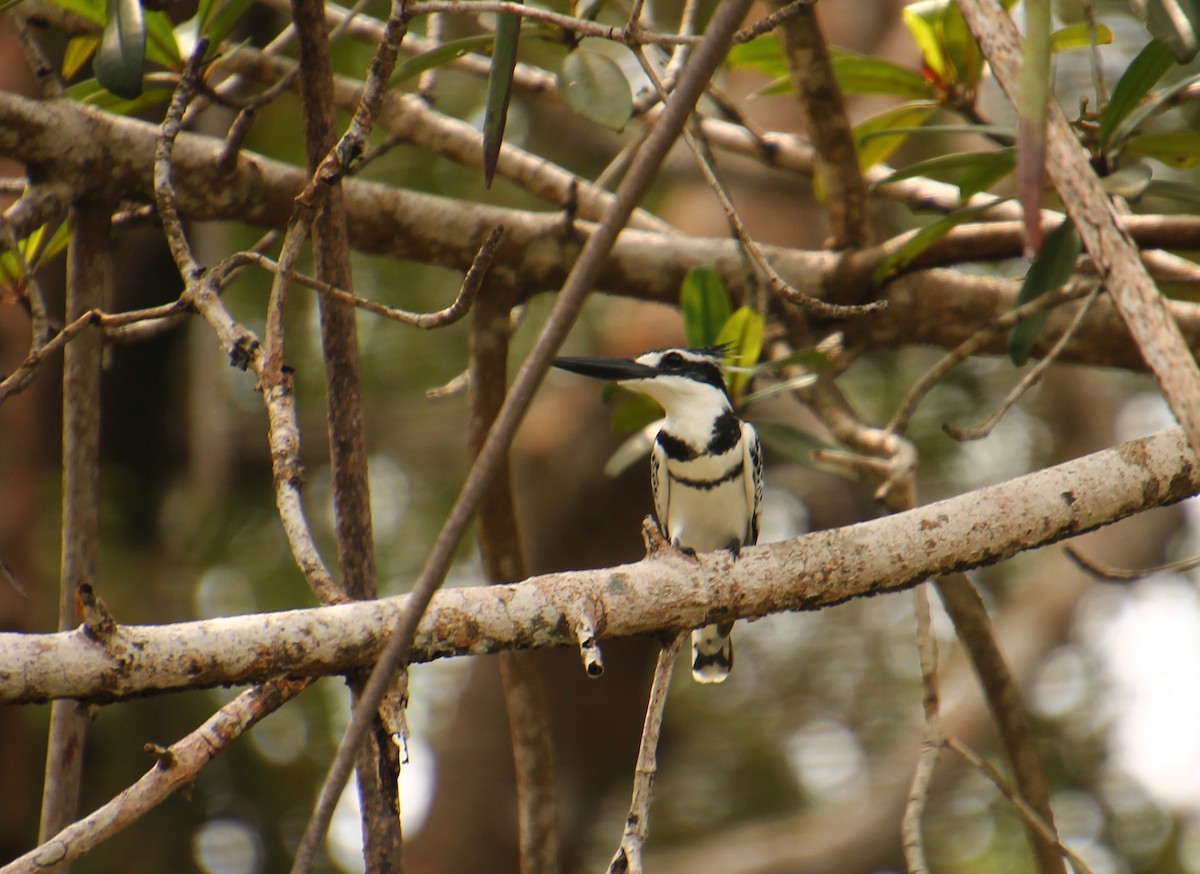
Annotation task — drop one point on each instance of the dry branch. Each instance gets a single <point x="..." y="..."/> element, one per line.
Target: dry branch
<point x="808" y="573"/>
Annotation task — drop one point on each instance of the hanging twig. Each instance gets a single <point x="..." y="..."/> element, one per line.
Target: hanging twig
<point x="932" y="738"/>
<point x="428" y="321"/>
<point x="1027" y="813"/>
<point x="964" y="350"/>
<point x="628" y="857"/>
<point x="1029" y="379"/>
<point x="1119" y="575"/>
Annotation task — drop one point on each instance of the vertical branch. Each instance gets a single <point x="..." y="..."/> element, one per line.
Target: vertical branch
<point x="628" y="857"/>
<point x="339" y="337"/>
<point x="377" y="760"/>
<point x="828" y="127"/>
<point x="88" y="278"/>
<point x="974" y="630"/>
<point x="931" y="739"/>
<point x="500" y="546"/>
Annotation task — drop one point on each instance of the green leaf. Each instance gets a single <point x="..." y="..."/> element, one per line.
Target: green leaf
<point x="764" y="54"/>
<point x="961" y="49"/>
<point x="94" y="94"/>
<point x="924" y="238"/>
<point x="1031" y="111"/>
<point x="742" y="335"/>
<point x="1139" y="77"/>
<point x="634" y="412"/>
<point x="790" y="442"/>
<point x="122" y="53"/>
<point x="987" y="130"/>
<point x="161" y="47"/>
<point x="1079" y="36"/>
<point x="1182" y="192"/>
<point x="947" y="168"/>
<point x="704" y="303"/>
<point x="922" y="19"/>
<point x="1174" y="23"/>
<point x="985" y="174"/>
<point x="94" y="11"/>
<point x="78" y="52"/>
<point x="596" y="89"/>
<point x="859" y="74"/>
<point x="1050" y="271"/>
<point x="499" y="91"/>
<point x="1180" y="148"/>
<point x="1130" y="124"/>
<point x="443" y="54"/>
<point x="217" y="19"/>
<point x="876" y="137"/>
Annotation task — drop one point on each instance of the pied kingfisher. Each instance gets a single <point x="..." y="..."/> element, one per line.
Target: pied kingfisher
<point x="705" y="468"/>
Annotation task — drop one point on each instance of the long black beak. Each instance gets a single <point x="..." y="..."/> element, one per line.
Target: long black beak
<point x="616" y="369"/>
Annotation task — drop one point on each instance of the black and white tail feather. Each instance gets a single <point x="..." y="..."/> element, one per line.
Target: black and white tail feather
<point x="706" y="468"/>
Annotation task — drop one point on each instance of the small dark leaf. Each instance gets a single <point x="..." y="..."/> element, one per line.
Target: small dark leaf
<point x="218" y="18"/>
<point x="924" y="238"/>
<point x="499" y="91"/>
<point x="161" y="46"/>
<point x="1051" y="271"/>
<point x="1031" y="128"/>
<point x="704" y="303"/>
<point x="1139" y="77"/>
<point x="443" y="54"/>
<point x="122" y="53"/>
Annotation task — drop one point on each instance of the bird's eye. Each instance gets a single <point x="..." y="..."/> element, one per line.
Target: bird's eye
<point x="672" y="361"/>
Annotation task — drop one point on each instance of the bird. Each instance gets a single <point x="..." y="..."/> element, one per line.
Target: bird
<point x="706" y="466"/>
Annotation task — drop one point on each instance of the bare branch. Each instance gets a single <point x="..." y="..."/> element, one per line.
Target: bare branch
<point x="176" y="769"/>
<point x="809" y="573"/>
<point x="628" y="857"/>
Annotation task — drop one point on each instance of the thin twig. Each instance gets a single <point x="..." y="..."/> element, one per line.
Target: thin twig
<point x="176" y="768"/>
<point x="931" y="738"/>
<point x="45" y="72"/>
<point x="1119" y="575"/>
<point x="628" y="857"/>
<point x="974" y="629"/>
<point x="428" y="321"/>
<point x="499" y="538"/>
<point x="1030" y="378"/>
<point x="567" y="306"/>
<point x="1027" y="813"/>
<point x="427" y="83"/>
<point x="89" y="280"/>
<point x="964" y="350"/>
<point x="779" y="285"/>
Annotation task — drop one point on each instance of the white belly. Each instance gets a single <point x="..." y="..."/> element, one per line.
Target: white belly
<point x="707" y="519"/>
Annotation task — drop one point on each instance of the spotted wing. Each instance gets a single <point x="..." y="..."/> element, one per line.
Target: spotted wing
<point x="752" y="469"/>
<point x="660" y="484"/>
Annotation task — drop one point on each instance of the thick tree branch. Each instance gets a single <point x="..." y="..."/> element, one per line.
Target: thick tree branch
<point x="808" y="573"/>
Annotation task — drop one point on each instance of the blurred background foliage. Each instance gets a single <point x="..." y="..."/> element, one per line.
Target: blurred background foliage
<point x="815" y="733"/>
